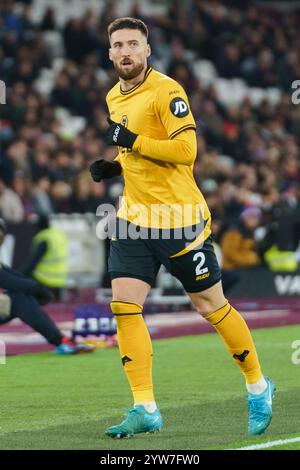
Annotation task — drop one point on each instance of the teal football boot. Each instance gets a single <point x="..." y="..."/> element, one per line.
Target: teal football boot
<point x="260" y="409"/>
<point x="138" y="420"/>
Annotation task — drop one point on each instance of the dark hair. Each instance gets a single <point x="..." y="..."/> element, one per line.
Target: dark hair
<point x="127" y="23"/>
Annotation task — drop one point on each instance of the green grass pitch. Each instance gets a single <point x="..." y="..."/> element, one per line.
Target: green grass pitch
<point x="53" y="402"/>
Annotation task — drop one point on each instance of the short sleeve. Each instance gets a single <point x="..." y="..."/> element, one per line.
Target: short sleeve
<point x="173" y="108"/>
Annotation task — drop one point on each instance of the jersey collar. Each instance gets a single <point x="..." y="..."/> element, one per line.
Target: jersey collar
<point x="137" y="85"/>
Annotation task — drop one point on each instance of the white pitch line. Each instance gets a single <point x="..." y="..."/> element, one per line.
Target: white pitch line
<point x="280" y="442"/>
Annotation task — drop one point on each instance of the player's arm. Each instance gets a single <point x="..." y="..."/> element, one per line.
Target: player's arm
<point x="182" y="149"/>
<point x="172" y="108"/>
<point x="105" y="169"/>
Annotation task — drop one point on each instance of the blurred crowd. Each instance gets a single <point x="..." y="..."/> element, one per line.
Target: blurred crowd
<point x="248" y="155"/>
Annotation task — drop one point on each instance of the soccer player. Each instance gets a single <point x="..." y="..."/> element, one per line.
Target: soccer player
<point x="152" y="125"/>
<point x="23" y="297"/>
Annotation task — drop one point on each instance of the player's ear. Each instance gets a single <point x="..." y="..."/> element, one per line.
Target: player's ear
<point x="109" y="54"/>
<point x="148" y="50"/>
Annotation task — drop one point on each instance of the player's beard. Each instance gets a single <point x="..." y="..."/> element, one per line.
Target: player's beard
<point x="129" y="74"/>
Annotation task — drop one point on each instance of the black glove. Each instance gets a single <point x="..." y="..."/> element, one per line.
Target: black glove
<point x="117" y="134"/>
<point x="101" y="169"/>
<point x="42" y="294"/>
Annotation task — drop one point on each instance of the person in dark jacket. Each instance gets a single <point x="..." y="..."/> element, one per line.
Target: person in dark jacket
<point x="22" y="298"/>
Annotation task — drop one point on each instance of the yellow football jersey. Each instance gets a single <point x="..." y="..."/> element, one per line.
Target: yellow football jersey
<point x="157" y="193"/>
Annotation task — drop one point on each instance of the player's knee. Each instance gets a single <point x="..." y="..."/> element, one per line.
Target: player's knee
<point x="204" y="308"/>
<point x="129" y="290"/>
<point x="124" y="298"/>
<point x="208" y="301"/>
<point x="122" y="295"/>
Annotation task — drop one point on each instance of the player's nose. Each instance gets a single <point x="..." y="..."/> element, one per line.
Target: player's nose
<point x="125" y="52"/>
<point x="125" y="56"/>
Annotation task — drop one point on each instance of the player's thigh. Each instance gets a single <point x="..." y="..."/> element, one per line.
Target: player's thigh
<point x="199" y="272"/>
<point x="129" y="289"/>
<point x="133" y="269"/>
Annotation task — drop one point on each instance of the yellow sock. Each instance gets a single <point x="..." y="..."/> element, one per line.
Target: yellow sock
<point x="135" y="348"/>
<point x="238" y="340"/>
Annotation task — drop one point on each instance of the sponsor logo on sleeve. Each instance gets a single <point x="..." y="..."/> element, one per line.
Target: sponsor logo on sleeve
<point x="179" y="107"/>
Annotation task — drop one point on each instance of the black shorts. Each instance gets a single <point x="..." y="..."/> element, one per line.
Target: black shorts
<point x="141" y="258"/>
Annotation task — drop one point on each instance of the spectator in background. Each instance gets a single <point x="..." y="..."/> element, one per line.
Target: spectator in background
<point x="48" y="259"/>
<point x="60" y="197"/>
<point x="61" y="93"/>
<point x="81" y="195"/>
<point x="280" y="246"/>
<point x="48" y="21"/>
<point x="10" y="204"/>
<point x="23" y="189"/>
<point x="6" y="167"/>
<point x="64" y="170"/>
<point x="238" y="244"/>
<point x="41" y="201"/>
<point x="228" y="63"/>
<point x="264" y="74"/>
<point x="179" y="67"/>
<point x="86" y="195"/>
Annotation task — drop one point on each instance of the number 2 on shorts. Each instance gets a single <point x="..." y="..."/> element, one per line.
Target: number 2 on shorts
<point x="199" y="269"/>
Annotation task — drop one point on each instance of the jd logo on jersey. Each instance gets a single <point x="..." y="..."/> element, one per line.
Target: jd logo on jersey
<point x="179" y="107"/>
